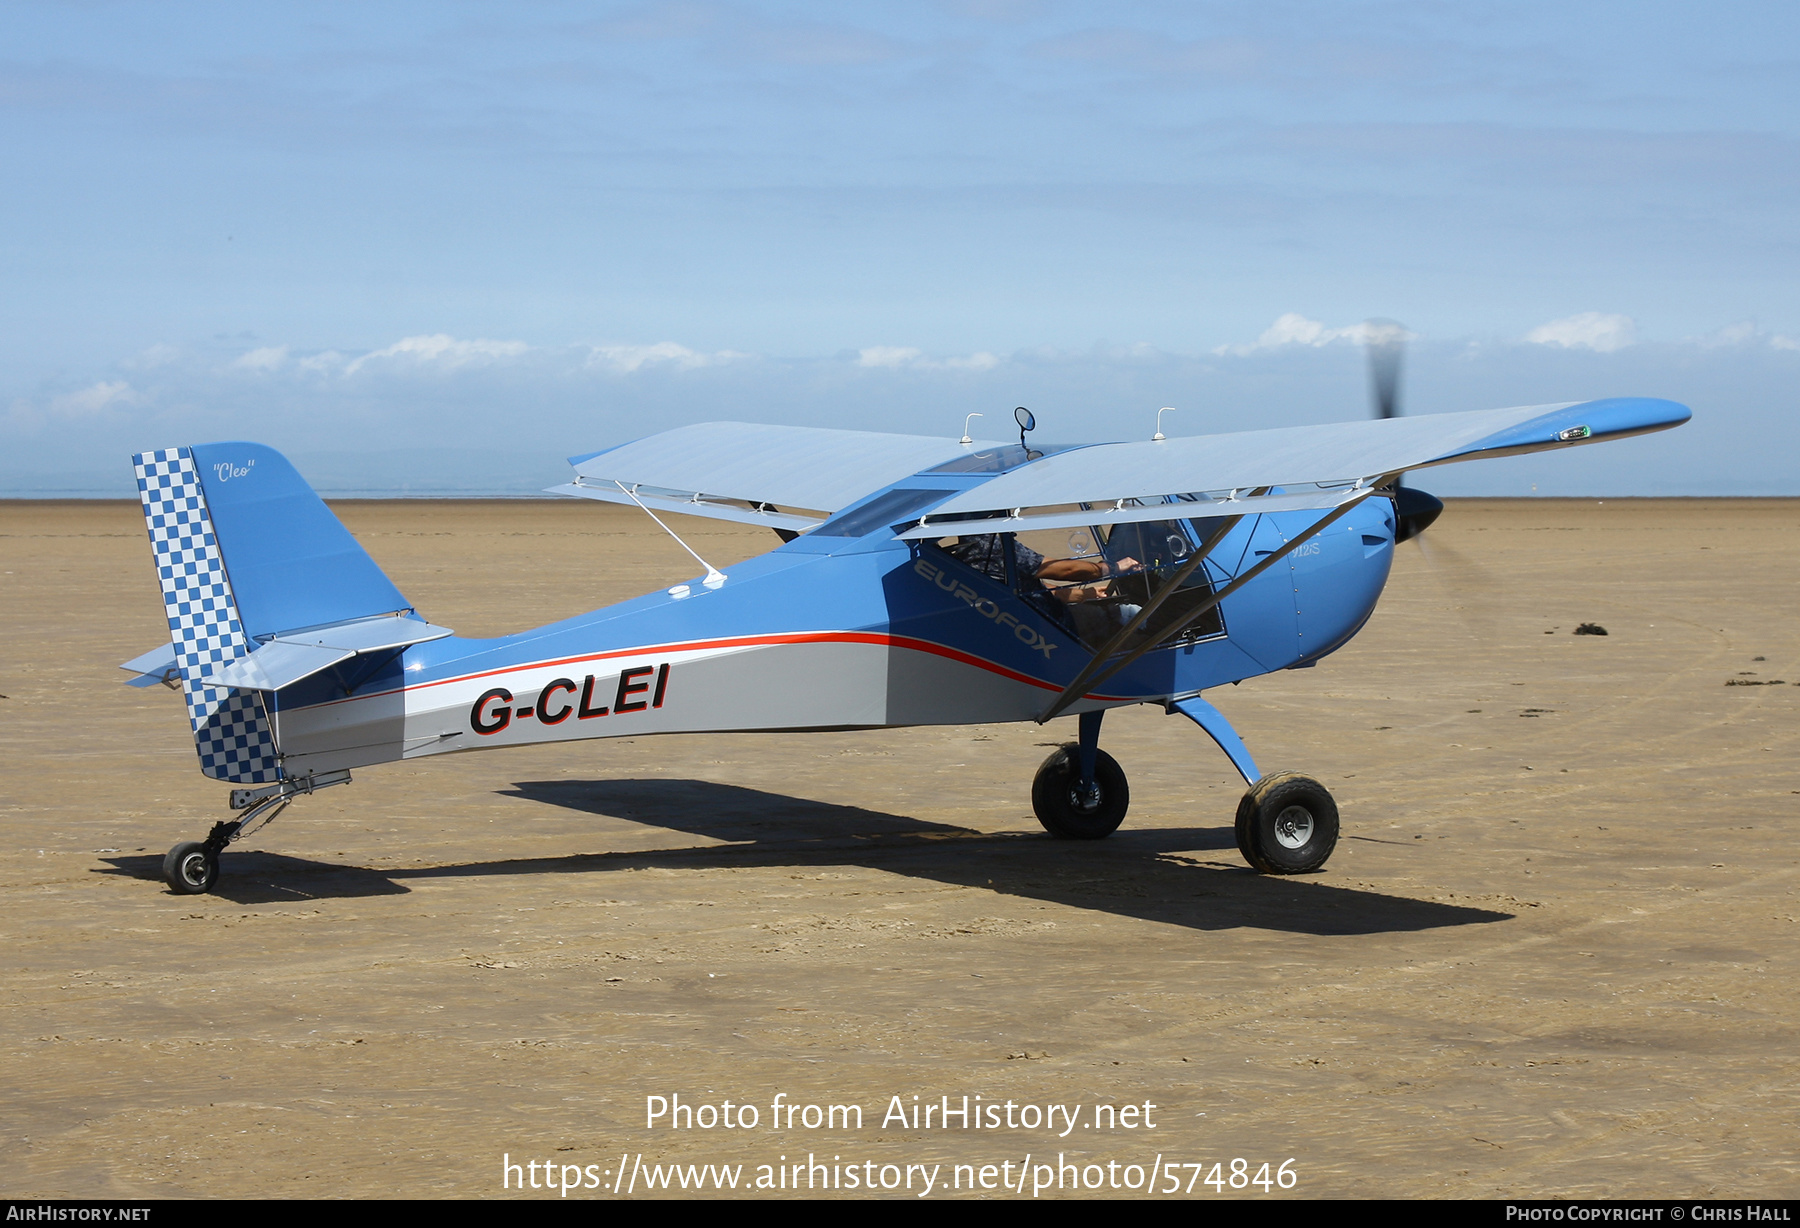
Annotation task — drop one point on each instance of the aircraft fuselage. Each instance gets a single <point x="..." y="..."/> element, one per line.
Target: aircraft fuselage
<point x="827" y="633"/>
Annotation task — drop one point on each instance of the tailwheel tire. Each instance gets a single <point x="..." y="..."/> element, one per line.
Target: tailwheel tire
<point x="191" y="868"/>
<point x="1287" y="824"/>
<point x="1070" y="812"/>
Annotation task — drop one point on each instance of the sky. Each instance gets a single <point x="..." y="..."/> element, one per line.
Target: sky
<point x="437" y="248"/>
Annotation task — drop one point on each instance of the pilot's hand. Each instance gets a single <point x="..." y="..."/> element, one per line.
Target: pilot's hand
<point x="1126" y="566"/>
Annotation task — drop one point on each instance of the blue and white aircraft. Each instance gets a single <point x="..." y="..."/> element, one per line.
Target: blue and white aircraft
<point x="919" y="581"/>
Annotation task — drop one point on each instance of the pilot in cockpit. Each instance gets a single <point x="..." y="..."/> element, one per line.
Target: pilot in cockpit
<point x="1068" y="580"/>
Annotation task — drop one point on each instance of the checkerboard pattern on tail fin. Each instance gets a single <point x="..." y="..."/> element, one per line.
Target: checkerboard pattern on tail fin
<point x="231" y="728"/>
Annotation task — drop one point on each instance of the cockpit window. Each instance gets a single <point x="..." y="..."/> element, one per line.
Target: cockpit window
<point x="1096" y="580"/>
<point x="881" y="511"/>
<point x="996" y="459"/>
<point x="1160" y="548"/>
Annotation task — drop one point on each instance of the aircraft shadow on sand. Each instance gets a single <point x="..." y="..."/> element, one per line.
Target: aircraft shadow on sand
<point x="273" y="878"/>
<point x="1154" y="874"/>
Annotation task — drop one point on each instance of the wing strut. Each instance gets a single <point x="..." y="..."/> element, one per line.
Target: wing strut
<point x="1098" y="671"/>
<point x="714" y="577"/>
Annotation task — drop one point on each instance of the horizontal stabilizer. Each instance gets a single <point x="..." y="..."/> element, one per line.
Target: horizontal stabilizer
<point x="286" y="659"/>
<point x="277" y="664"/>
<point x="156" y="666"/>
<point x="368" y="634"/>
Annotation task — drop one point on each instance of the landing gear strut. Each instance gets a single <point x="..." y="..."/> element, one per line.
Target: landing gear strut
<point x="1080" y="792"/>
<point x="1287" y="823"/>
<point x="192" y="867"/>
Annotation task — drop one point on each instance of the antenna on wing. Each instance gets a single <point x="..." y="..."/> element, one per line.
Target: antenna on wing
<point x="714" y="577"/>
<point x="967" y="438"/>
<point x="1159" y="436"/>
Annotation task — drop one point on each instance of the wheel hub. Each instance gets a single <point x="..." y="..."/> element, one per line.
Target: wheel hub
<point x="194" y="870"/>
<point x="1293" y="827"/>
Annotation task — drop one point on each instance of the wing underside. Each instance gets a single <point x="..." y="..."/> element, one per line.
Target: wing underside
<point x="1288" y="469"/>
<point x="773" y="475"/>
<point x="791" y="478"/>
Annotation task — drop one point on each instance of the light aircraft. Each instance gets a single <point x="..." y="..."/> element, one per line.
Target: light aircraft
<point x="919" y="581"/>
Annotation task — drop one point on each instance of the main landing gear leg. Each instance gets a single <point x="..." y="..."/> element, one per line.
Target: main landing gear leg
<point x="1087" y="727"/>
<point x="1286" y="823"/>
<point x="192" y="867"/>
<point x="1080" y="792"/>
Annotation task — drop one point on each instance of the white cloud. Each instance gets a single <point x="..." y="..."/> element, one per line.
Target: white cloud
<point x="981" y="360"/>
<point x="895" y="357"/>
<point x="72" y="412"/>
<point x="440" y="352"/>
<point x="1591" y="330"/>
<point x="634" y="357"/>
<point x="154" y="356"/>
<point x="1742" y="334"/>
<point x="92" y="399"/>
<point x="325" y="360"/>
<point x="1295" y="329"/>
<point x="888" y="356"/>
<point x="268" y="358"/>
<point x="439" y="349"/>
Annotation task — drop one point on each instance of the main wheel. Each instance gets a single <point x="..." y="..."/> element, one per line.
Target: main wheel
<point x="1070" y="812"/>
<point x="191" y="868"/>
<point x="1287" y="824"/>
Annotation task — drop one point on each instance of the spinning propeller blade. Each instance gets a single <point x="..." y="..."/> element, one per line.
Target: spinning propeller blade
<point x="1386" y="341"/>
<point x="1414" y="509"/>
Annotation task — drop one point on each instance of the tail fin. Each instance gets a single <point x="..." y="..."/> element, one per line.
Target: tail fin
<point x="245" y="550"/>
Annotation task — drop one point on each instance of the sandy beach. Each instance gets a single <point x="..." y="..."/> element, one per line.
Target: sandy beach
<point x="1553" y="955"/>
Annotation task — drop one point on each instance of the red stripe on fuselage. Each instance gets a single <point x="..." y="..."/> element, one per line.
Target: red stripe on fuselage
<point x="745" y="641"/>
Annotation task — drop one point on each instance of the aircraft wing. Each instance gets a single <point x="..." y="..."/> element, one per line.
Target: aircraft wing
<point x="693" y="469"/>
<point x="1315" y="466"/>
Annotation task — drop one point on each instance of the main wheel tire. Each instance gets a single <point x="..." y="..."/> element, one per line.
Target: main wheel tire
<point x="1287" y="824"/>
<point x="1066" y="810"/>
<point x="191" y="868"/>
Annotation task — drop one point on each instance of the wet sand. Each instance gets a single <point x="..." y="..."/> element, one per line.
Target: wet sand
<point x="1553" y="955"/>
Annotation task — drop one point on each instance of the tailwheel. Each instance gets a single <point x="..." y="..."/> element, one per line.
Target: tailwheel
<point x="1287" y="824"/>
<point x="1070" y="811"/>
<point x="191" y="868"/>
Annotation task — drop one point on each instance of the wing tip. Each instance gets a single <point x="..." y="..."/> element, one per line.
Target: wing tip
<point x="1633" y="413"/>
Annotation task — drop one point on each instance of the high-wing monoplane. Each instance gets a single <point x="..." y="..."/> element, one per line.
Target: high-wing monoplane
<point x="918" y="581"/>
